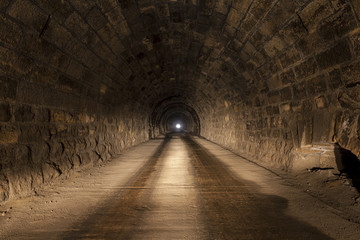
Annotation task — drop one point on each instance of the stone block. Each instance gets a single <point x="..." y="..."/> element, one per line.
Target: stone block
<point x="310" y="43"/>
<point x="285" y="107"/>
<point x="30" y="134"/>
<point x="287" y="77"/>
<point x="355" y="40"/>
<point x="274" y="46"/>
<point x="29" y="93"/>
<point x="40" y="152"/>
<point x="83" y="6"/>
<point x="24" y="113"/>
<point x="314" y="12"/>
<point x="10" y="32"/>
<point x="296" y="106"/>
<point x="350" y="73"/>
<point x="75" y="69"/>
<point x="321" y="126"/>
<point x="234" y="17"/>
<point x="44" y="75"/>
<point x="334" y="80"/>
<point x="36" y="47"/>
<point x="5" y="112"/>
<point x="57" y="34"/>
<point x="274" y="82"/>
<point x="4" y="4"/>
<point x="316" y="85"/>
<point x="299" y="90"/>
<point x="350" y="97"/>
<point x="272" y="110"/>
<point x="274" y="97"/>
<point x="222" y="6"/>
<point x="8" y="134"/>
<point x="42" y="115"/>
<point x="321" y="102"/>
<point x="75" y="48"/>
<point x="290" y="57"/>
<point x="334" y="55"/>
<point x="29" y="14"/>
<point x="339" y="24"/>
<point x="7" y="88"/>
<point x="76" y="24"/>
<point x="306" y="68"/>
<point x="13" y="64"/>
<point x="356" y="5"/>
<point x="59" y="60"/>
<point x="293" y="31"/>
<point x="57" y="116"/>
<point x="280" y="13"/>
<point x="286" y="94"/>
<point x="58" y="9"/>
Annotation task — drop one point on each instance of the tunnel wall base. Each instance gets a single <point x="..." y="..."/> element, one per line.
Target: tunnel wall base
<point x="40" y="144"/>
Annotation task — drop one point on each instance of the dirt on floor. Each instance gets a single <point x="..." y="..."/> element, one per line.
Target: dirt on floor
<point x="333" y="188"/>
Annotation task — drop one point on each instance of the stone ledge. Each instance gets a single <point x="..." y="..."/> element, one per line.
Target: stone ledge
<point x="315" y="156"/>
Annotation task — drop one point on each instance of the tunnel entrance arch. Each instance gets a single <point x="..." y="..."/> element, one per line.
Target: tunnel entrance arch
<point x="172" y="111"/>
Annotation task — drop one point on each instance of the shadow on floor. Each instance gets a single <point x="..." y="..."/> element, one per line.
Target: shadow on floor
<point x="234" y="210"/>
<point x="229" y="207"/>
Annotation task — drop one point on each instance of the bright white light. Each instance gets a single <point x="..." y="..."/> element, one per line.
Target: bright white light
<point x="178" y="125"/>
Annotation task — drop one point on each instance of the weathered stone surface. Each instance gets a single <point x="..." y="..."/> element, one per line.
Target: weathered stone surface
<point x="29" y="14"/>
<point x="339" y="24"/>
<point x="7" y="88"/>
<point x="299" y="90"/>
<point x="76" y="24"/>
<point x="286" y="94"/>
<point x="335" y="55"/>
<point x="350" y="98"/>
<point x="5" y="114"/>
<point x="10" y="32"/>
<point x="334" y="80"/>
<point x="357" y="8"/>
<point x="316" y="85"/>
<point x="8" y="134"/>
<point x="351" y="73"/>
<point x="314" y="12"/>
<point x="287" y="77"/>
<point x="24" y="114"/>
<point x="306" y="68"/>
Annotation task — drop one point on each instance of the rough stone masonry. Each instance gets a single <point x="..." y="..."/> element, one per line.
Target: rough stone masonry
<point x="80" y="80"/>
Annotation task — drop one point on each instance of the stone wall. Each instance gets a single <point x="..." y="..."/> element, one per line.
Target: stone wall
<point x="60" y="103"/>
<point x="301" y="59"/>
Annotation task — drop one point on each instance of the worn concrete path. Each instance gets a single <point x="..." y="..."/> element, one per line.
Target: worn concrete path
<point x="177" y="187"/>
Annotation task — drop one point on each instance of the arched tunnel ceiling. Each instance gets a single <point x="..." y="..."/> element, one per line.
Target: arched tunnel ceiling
<point x="206" y="51"/>
<point x="179" y="46"/>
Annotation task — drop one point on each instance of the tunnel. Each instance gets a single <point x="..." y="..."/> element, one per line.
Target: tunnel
<point x="275" y="82"/>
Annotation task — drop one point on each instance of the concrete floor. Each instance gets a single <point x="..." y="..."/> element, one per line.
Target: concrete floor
<point x="175" y="187"/>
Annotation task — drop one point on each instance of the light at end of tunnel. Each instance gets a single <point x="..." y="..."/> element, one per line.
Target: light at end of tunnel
<point x="178" y="126"/>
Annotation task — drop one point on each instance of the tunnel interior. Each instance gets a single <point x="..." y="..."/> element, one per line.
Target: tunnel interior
<point x="178" y="122"/>
<point x="81" y="81"/>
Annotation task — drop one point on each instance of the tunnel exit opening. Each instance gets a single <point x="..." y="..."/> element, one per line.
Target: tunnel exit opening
<point x="172" y="115"/>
